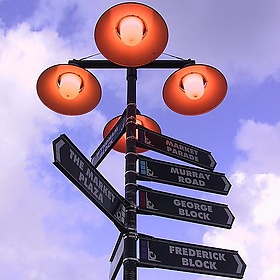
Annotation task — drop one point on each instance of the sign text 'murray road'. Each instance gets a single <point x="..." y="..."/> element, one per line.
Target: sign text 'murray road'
<point x="182" y="176"/>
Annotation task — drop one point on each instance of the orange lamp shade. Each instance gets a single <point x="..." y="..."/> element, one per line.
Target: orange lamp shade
<point x="131" y="34"/>
<point x="177" y="98"/>
<point x="68" y="89"/>
<point x="142" y="120"/>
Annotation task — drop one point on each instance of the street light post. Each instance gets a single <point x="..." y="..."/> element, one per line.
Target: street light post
<point x="130" y="260"/>
<point x="131" y="52"/>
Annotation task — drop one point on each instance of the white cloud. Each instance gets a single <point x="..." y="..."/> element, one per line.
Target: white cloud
<point x="267" y="210"/>
<point x="47" y="228"/>
<point x="33" y="239"/>
<point x="33" y="203"/>
<point x="254" y="202"/>
<point x="258" y="142"/>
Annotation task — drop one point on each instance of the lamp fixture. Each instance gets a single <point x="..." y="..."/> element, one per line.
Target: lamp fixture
<point x="136" y="32"/>
<point x="68" y="89"/>
<point x="142" y="120"/>
<point x="194" y="90"/>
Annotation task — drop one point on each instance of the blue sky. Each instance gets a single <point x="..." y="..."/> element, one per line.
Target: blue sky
<point x="49" y="230"/>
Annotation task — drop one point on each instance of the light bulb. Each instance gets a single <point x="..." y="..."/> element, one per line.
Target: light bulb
<point x="69" y="85"/>
<point x="193" y="85"/>
<point x="131" y="30"/>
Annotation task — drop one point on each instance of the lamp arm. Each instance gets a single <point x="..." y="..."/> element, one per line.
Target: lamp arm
<point x="156" y="64"/>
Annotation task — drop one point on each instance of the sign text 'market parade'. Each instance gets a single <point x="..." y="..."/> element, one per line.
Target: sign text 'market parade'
<point x="181" y="150"/>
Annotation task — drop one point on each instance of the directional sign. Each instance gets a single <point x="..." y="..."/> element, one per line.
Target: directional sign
<point x="108" y="143"/>
<point x="168" y="254"/>
<point x="78" y="169"/>
<point x="182" y="176"/>
<point x="184" y="208"/>
<point x="174" y="148"/>
<point x="116" y="258"/>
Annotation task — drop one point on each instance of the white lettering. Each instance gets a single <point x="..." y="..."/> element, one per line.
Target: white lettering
<point x="93" y="190"/>
<point x="197" y="258"/>
<point x="98" y="183"/>
<point x="187" y="176"/>
<point x="199" y="264"/>
<point x="191" y="181"/>
<point x="181" y="147"/>
<point x="193" y="205"/>
<point x="76" y="159"/>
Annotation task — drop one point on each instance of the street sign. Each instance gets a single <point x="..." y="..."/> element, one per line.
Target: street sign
<point x="78" y="169"/>
<point x="108" y="143"/>
<point x="174" y="148"/>
<point x="182" y="176"/>
<point x="168" y="254"/>
<point x="184" y="208"/>
<point x="116" y="258"/>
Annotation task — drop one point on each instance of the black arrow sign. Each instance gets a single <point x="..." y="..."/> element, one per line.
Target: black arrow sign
<point x="184" y="208"/>
<point x="182" y="176"/>
<point x="108" y="143"/>
<point x="78" y="169"/>
<point x="174" y="148"/>
<point x="168" y="254"/>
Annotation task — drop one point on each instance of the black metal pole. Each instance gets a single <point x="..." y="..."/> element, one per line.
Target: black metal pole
<point x="130" y="257"/>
